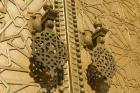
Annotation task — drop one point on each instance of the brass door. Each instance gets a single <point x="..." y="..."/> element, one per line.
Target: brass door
<point x="122" y="18"/>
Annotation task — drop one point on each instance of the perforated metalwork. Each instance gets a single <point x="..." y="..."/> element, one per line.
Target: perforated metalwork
<point x="101" y="69"/>
<point x="49" y="57"/>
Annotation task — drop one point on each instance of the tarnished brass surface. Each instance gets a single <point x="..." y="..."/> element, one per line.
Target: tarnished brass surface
<point x="19" y="19"/>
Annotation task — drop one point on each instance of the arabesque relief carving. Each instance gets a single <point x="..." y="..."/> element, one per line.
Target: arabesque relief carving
<point x="41" y="50"/>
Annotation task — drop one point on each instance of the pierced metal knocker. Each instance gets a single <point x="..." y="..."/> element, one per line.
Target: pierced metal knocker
<point x="103" y="66"/>
<point x="48" y="52"/>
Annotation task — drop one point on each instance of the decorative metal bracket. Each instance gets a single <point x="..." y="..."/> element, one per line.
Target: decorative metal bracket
<point x="37" y="23"/>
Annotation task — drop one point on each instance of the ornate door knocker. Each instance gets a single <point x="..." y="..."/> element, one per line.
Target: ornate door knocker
<point x="48" y="52"/>
<point x="103" y="67"/>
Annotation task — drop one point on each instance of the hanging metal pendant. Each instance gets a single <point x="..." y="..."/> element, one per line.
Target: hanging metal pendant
<point x="103" y="67"/>
<point x="48" y="54"/>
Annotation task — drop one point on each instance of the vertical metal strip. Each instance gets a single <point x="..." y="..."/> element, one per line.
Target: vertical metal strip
<point x="60" y="27"/>
<point x="75" y="66"/>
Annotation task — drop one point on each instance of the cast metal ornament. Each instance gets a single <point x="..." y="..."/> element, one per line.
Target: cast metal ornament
<point x="48" y="52"/>
<point x="103" y="66"/>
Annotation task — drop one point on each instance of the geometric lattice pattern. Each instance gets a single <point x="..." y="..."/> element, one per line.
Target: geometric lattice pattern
<point x="103" y="60"/>
<point x="122" y="19"/>
<point x="120" y="16"/>
<point x="101" y="70"/>
<point x="49" y="57"/>
<point x="15" y="41"/>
